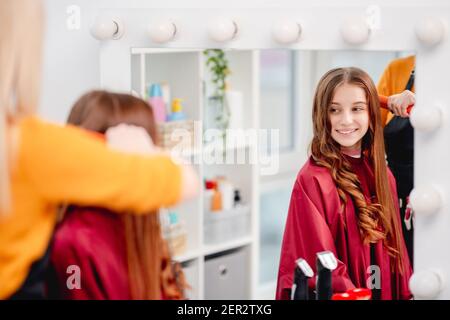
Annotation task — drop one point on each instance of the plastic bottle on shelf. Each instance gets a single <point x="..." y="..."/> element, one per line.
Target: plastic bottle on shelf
<point x="237" y="197"/>
<point x="177" y="113"/>
<point x="226" y="189"/>
<point x="156" y="100"/>
<point x="216" y="201"/>
<point x="176" y="233"/>
<point x="173" y="217"/>
<point x="165" y="88"/>
<point x="209" y="192"/>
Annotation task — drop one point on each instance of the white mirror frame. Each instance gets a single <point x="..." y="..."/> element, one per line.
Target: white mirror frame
<point x="393" y="29"/>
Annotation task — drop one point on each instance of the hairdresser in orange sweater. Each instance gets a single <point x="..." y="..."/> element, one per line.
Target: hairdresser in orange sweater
<point x="397" y="82"/>
<point x="43" y="165"/>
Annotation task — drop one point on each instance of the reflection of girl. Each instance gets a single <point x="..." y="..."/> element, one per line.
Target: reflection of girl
<point x="43" y="165"/>
<point x="119" y="256"/>
<point x="343" y="197"/>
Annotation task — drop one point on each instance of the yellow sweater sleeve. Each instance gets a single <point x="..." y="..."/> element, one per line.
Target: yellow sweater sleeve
<point x="384" y="88"/>
<point x="66" y="164"/>
<point x="394" y="80"/>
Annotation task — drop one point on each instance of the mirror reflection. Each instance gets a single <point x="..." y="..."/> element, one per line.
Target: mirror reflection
<point x="215" y="94"/>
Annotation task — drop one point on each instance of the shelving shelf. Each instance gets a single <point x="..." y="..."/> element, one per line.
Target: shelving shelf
<point x="185" y="72"/>
<point x="209" y="249"/>
<point x="188" y="255"/>
<point x="232" y="244"/>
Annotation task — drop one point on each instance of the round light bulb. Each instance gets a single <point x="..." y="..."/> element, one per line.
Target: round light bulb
<point x="425" y="200"/>
<point x="106" y="28"/>
<point x="163" y="31"/>
<point x="286" y="32"/>
<point x="426" y="119"/>
<point x="355" y="30"/>
<point x="430" y="31"/>
<point x="426" y="284"/>
<point x="222" y="29"/>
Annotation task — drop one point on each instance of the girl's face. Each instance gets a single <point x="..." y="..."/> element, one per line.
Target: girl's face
<point x="349" y="116"/>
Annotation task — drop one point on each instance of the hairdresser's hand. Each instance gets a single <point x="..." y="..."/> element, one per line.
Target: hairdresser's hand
<point x="133" y="139"/>
<point x="190" y="183"/>
<point x="129" y="138"/>
<point x="398" y="103"/>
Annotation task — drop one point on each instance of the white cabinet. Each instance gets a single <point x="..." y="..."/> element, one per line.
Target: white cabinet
<point x="210" y="234"/>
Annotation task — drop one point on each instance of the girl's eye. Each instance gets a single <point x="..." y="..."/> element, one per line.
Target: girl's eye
<point x="358" y="108"/>
<point x="333" y="110"/>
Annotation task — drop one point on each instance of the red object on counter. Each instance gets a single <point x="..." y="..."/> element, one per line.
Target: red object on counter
<point x="343" y="296"/>
<point x="354" y="294"/>
<point x="384" y="103"/>
<point x="210" y="184"/>
<point x="361" y="293"/>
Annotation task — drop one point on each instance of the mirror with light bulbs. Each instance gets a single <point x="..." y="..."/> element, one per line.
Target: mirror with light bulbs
<point x="318" y="38"/>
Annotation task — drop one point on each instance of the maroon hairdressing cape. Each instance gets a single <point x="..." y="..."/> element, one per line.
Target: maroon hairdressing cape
<point x="314" y="224"/>
<point x="93" y="241"/>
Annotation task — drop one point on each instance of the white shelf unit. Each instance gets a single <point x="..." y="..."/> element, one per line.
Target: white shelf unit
<point x="186" y="74"/>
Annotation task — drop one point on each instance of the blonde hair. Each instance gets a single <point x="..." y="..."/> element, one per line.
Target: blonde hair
<point x="21" y="23"/>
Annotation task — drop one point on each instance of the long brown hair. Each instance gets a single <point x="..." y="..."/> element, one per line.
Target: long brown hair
<point x="377" y="221"/>
<point x="148" y="258"/>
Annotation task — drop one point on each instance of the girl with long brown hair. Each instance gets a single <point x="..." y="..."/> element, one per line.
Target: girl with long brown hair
<point x="343" y="199"/>
<point x="119" y="256"/>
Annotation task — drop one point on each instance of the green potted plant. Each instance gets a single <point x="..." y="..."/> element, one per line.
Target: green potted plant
<point x="217" y="65"/>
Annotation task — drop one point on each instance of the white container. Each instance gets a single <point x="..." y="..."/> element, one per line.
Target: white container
<point x="226" y="225"/>
<point x="208" y="195"/>
<point x="224" y="276"/>
<point x="227" y="191"/>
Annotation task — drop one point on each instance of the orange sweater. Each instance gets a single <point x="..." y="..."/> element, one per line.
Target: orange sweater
<point x="57" y="165"/>
<point x="394" y="80"/>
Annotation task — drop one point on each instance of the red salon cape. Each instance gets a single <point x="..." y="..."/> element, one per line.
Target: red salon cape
<point x="90" y="242"/>
<point x="314" y="224"/>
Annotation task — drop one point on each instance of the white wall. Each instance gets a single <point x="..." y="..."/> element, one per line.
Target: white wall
<point x="71" y="64"/>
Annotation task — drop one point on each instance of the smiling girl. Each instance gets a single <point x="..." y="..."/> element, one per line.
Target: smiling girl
<point x="343" y="197"/>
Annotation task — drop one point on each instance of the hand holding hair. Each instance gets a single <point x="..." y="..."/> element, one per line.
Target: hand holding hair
<point x="131" y="139"/>
<point x="134" y="139"/>
<point x="399" y="104"/>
